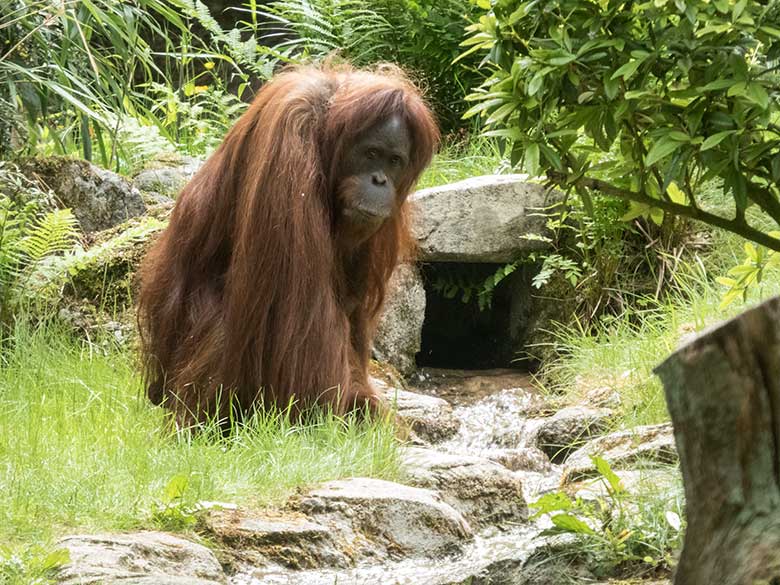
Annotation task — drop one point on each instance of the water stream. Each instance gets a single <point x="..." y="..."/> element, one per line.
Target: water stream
<point x="496" y="409"/>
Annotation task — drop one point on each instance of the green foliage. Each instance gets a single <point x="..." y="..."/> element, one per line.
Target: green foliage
<point x="645" y="101"/>
<point x="104" y="273"/>
<point x="77" y="75"/>
<point x="469" y="282"/>
<point x="463" y="159"/>
<point x="73" y="67"/>
<point x="420" y="35"/>
<point x="748" y="275"/>
<point x="321" y="27"/>
<point x="618" y="531"/>
<point x="33" y="565"/>
<point x="29" y="236"/>
<point x="173" y="512"/>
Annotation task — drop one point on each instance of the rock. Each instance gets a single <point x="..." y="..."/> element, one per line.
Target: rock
<point x="104" y="275"/>
<point x="547" y="308"/>
<point x="544" y="562"/>
<point x="665" y="480"/>
<point x="148" y="558"/>
<point x="481" y="219"/>
<point x="603" y="397"/>
<point x="375" y="517"/>
<point x="521" y="459"/>
<point x="289" y="539"/>
<point x="430" y="418"/>
<point x="649" y="444"/>
<point x="560" y="434"/>
<point x="486" y="493"/>
<point x="398" y="336"/>
<point x="168" y="178"/>
<point x="98" y="198"/>
<point x="97" y="325"/>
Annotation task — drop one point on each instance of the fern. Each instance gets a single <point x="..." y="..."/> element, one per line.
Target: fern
<point x="54" y="233"/>
<point x="319" y="27"/>
<point x="28" y="237"/>
<point x="258" y="59"/>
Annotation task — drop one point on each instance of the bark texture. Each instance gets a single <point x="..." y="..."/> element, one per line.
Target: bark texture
<point x="723" y="393"/>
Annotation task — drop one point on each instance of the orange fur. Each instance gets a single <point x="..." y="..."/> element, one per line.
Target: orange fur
<point x="251" y="295"/>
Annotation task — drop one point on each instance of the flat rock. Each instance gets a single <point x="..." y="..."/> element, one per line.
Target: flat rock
<point x="569" y="428"/>
<point x="286" y="538"/>
<point x="481" y="219"/>
<point x="168" y="177"/>
<point x="99" y="198"/>
<point x="140" y="558"/>
<point x="649" y="444"/>
<point x="429" y="417"/>
<point x="485" y="492"/>
<point x="665" y="480"/>
<point x="521" y="459"/>
<point x="377" y="518"/>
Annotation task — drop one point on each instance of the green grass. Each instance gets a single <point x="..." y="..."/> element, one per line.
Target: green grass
<point x="621" y="353"/>
<point x="82" y="450"/>
<point x="456" y="161"/>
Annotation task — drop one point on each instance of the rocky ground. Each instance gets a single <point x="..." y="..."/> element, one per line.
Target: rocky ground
<point x="482" y="445"/>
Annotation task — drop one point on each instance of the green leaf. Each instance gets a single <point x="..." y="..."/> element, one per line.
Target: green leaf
<point x="751" y="251"/>
<point x="719" y="84"/>
<point x="679" y="136"/>
<point x="757" y="94"/>
<point x="676" y="194"/>
<point x="611" y="87"/>
<point x="536" y="83"/>
<point x="635" y="210"/>
<point x="563" y="58"/>
<point x="729" y="298"/>
<point x="569" y="523"/>
<point x="737" y="89"/>
<point x="551" y="157"/>
<point x="663" y="148"/>
<point x="604" y="469"/>
<point x="480" y="107"/>
<point x="176" y="487"/>
<point x="770" y="30"/>
<point x="715" y="139"/>
<point x="627" y="69"/>
<point x="532" y="159"/>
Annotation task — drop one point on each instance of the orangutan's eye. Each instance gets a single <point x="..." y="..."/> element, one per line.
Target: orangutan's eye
<point x="396" y="161"/>
<point x="371" y="153"/>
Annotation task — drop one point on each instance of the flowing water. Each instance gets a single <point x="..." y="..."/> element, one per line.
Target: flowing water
<point x="497" y="410"/>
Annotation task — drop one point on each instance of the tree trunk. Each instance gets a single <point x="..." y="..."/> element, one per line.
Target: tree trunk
<point x="723" y="393"/>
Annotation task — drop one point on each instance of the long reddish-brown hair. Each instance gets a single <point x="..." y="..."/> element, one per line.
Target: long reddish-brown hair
<point x="242" y="297"/>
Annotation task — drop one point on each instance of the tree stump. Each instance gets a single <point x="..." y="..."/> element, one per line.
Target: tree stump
<point x="723" y="393"/>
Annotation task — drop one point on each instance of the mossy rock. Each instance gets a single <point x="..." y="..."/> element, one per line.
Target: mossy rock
<point x="105" y="274"/>
<point x="99" y="198"/>
<point x="553" y="305"/>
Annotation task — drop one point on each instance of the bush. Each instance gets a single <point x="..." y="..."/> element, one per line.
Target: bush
<point x="645" y="102"/>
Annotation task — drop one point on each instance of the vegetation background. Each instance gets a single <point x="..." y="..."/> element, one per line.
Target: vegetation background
<point x="660" y="119"/>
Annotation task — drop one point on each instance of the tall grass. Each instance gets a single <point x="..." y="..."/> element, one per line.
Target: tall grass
<point x="81" y="449"/>
<point x="620" y="353"/>
<point x="458" y="160"/>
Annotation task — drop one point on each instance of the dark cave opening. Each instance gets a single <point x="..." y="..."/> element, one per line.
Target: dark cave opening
<point x="457" y="334"/>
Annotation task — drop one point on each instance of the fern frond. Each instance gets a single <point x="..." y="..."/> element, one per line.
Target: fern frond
<point x="54" y="233"/>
